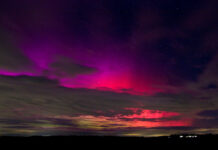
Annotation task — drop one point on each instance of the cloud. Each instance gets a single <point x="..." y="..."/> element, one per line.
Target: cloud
<point x="65" y="67"/>
<point x="206" y="119"/>
<point x="209" y="113"/>
<point x="210" y="74"/>
<point x="147" y="41"/>
<point x="206" y="123"/>
<point x="47" y="105"/>
<point x="11" y="58"/>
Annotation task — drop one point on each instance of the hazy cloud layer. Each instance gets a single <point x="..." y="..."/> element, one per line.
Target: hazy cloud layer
<point x="108" y="67"/>
<point x="36" y="103"/>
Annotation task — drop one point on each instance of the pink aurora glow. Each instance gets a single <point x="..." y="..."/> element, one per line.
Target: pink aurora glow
<point x="114" y="71"/>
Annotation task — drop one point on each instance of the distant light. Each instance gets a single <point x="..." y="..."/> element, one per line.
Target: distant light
<point x="191" y="136"/>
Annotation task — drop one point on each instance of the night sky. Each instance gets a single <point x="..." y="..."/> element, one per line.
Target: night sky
<point x="108" y="67"/>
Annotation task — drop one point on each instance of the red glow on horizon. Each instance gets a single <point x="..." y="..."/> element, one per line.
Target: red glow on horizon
<point x="134" y="120"/>
<point x="149" y="114"/>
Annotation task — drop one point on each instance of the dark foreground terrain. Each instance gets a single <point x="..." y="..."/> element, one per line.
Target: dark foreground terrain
<point x="104" y="142"/>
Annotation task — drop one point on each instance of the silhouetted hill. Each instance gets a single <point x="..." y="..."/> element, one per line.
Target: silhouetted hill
<point x="111" y="141"/>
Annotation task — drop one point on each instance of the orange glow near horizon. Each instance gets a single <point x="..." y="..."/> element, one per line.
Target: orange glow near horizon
<point x="134" y="120"/>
